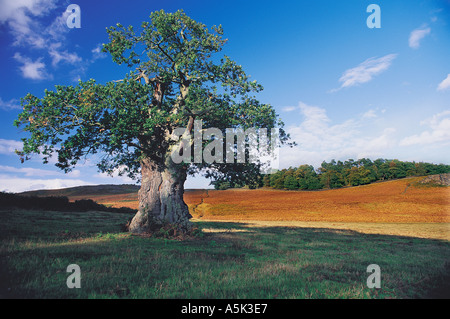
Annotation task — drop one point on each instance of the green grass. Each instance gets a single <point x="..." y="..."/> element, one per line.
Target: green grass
<point x="273" y="262"/>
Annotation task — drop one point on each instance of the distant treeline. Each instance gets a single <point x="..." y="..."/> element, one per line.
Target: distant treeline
<point x="55" y="203"/>
<point x="341" y="174"/>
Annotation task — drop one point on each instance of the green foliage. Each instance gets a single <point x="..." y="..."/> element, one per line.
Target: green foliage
<point x="290" y="182"/>
<point x="221" y="185"/>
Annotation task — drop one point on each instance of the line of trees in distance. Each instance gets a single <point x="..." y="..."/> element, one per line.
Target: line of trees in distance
<point x="337" y="174"/>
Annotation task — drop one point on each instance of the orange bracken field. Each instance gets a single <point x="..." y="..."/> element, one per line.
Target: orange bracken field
<point x="399" y="205"/>
<point x="391" y="201"/>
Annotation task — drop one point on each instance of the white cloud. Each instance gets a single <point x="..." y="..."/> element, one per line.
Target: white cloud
<point x="365" y="71"/>
<point x="27" y="171"/>
<point x="12" y="104"/>
<point x="289" y="108"/>
<point x="318" y="139"/>
<point x="97" y="53"/>
<point x="445" y="84"/>
<point x="21" y="17"/>
<point x="369" y="114"/>
<point x="97" y="49"/>
<point x="58" y="29"/>
<point x="8" y="147"/>
<point x="417" y="35"/>
<point x="438" y="132"/>
<point x="36" y="172"/>
<point x="58" y="56"/>
<point x="15" y="9"/>
<point x="34" y="70"/>
<point x="27" y="24"/>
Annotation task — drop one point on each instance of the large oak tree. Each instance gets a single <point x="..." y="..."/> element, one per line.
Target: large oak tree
<point x="175" y="77"/>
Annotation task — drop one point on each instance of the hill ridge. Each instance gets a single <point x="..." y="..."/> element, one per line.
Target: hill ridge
<point x="101" y="189"/>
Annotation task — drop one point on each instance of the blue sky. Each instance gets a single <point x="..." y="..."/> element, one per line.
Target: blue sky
<point x="344" y="90"/>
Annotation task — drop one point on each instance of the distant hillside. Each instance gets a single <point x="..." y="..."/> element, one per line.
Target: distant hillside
<point x="86" y="190"/>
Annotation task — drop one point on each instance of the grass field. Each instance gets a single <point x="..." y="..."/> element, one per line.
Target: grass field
<point x="233" y="260"/>
<point x="254" y="244"/>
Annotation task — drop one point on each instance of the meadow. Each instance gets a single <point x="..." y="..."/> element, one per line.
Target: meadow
<point x="253" y="244"/>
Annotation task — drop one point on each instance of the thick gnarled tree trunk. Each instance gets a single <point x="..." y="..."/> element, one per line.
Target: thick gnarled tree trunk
<point x="161" y="199"/>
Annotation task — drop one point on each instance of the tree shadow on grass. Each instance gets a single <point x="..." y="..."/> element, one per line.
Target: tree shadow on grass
<point x="411" y="267"/>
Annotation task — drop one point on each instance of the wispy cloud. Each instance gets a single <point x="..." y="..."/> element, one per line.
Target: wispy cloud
<point x="417" y="35"/>
<point x="369" y="114"/>
<point x="58" y="55"/>
<point x="365" y="71"/>
<point x="97" y="53"/>
<point x="27" y="21"/>
<point x="36" y="172"/>
<point x="445" y="84"/>
<point x="8" y="147"/>
<point x="22" y="18"/>
<point x="289" y="108"/>
<point x="12" y="104"/>
<point x="438" y="132"/>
